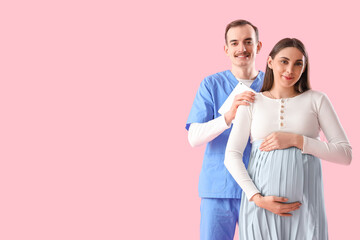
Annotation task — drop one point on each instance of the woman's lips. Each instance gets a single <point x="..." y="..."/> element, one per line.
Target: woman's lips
<point x="288" y="78"/>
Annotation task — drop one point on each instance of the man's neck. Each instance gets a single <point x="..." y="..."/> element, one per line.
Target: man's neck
<point x="245" y="73"/>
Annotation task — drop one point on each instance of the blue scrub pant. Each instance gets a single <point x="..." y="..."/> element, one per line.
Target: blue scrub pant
<point x="218" y="218"/>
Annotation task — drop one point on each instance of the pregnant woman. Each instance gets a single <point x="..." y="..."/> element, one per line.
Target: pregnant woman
<point x="285" y="104"/>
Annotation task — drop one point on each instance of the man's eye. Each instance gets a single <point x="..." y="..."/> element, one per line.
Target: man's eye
<point x="249" y="42"/>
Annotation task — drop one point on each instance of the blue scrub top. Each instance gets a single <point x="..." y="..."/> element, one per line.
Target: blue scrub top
<point x="215" y="181"/>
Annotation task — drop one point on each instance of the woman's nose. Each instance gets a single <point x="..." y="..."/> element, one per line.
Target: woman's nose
<point x="290" y="68"/>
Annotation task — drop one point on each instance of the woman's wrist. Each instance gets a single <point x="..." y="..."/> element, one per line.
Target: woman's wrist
<point x="299" y="141"/>
<point x="256" y="198"/>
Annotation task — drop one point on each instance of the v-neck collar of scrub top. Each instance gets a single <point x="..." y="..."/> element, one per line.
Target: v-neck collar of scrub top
<point x="256" y="85"/>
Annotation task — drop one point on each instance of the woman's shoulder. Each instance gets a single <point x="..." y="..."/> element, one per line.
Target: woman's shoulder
<point x="318" y="98"/>
<point x="261" y="95"/>
<point x="316" y="95"/>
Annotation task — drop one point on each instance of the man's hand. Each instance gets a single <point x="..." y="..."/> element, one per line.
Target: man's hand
<point x="240" y="99"/>
<point x="281" y="140"/>
<point x="275" y="205"/>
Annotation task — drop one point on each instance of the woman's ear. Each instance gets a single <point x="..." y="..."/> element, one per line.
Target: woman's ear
<point x="269" y="62"/>
<point x="304" y="67"/>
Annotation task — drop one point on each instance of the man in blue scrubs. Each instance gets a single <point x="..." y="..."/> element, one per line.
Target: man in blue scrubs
<point x="220" y="194"/>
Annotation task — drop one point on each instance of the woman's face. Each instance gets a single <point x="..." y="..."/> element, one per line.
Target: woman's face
<point x="287" y="66"/>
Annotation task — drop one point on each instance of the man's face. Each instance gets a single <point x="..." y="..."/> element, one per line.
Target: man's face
<point x="242" y="46"/>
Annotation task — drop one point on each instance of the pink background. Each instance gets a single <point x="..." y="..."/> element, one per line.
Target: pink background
<point x="94" y="99"/>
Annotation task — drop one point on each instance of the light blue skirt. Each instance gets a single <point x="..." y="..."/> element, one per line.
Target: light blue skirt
<point x="291" y="174"/>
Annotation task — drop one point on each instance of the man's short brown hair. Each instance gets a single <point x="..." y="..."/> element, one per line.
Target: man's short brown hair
<point x="241" y="22"/>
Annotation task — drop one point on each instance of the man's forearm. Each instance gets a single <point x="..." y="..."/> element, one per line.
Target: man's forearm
<point x="201" y="133"/>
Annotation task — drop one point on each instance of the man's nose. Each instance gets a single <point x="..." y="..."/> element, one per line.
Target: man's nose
<point x="242" y="47"/>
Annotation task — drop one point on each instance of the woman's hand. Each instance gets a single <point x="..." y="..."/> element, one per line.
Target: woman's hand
<point x="240" y="99"/>
<point x="281" y="140"/>
<point x="275" y="204"/>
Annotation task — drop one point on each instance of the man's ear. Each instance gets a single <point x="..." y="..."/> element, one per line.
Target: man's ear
<point x="226" y="49"/>
<point x="258" y="48"/>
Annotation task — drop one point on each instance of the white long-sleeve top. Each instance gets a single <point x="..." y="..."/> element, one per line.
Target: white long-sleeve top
<point x="201" y="133"/>
<point x="305" y="114"/>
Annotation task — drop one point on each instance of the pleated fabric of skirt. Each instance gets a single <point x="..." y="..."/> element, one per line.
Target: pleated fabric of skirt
<point x="291" y="174"/>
